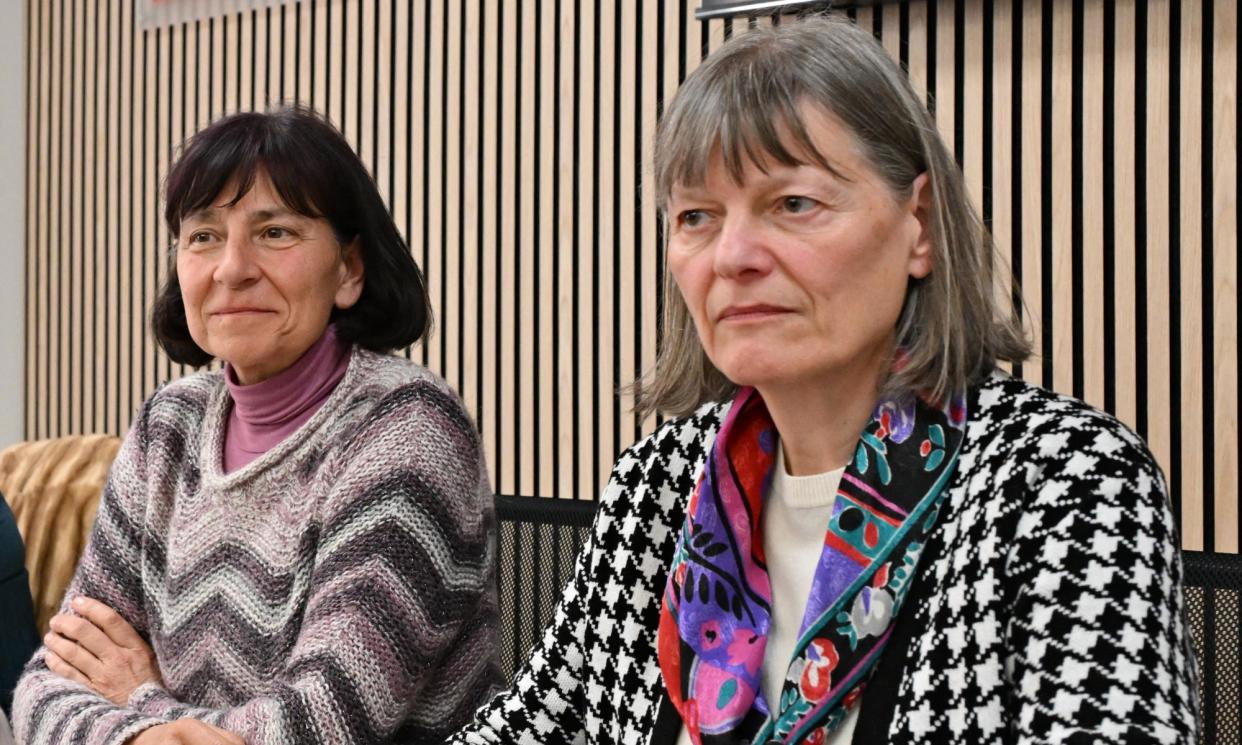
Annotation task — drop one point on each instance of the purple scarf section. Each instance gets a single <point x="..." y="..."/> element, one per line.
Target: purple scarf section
<point x="717" y="605"/>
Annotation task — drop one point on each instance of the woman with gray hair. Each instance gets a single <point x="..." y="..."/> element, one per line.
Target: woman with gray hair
<point x="857" y="528"/>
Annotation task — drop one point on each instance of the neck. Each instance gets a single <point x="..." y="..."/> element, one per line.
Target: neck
<point x="819" y="421"/>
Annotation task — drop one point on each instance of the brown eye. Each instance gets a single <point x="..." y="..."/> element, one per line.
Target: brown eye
<point x="276" y="233"/>
<point x="198" y="239"/>
<point x="796" y="205"/>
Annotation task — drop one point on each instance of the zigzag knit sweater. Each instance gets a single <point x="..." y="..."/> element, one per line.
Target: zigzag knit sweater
<point x="338" y="589"/>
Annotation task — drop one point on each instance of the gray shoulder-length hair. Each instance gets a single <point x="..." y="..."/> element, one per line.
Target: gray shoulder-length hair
<point x="954" y="325"/>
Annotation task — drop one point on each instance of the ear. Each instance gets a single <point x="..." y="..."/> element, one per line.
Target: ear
<point x="922" y="253"/>
<point x="351" y="276"/>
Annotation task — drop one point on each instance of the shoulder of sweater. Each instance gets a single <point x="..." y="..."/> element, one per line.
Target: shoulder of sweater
<point x="380" y="375"/>
<point x="397" y="403"/>
<point x="1020" y="424"/>
<point x="184" y="397"/>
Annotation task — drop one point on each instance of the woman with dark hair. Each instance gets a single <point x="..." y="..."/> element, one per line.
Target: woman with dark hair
<point x="299" y="548"/>
<point x="854" y="528"/>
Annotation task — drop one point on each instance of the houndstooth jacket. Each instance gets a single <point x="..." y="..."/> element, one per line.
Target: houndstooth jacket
<point x="1049" y="607"/>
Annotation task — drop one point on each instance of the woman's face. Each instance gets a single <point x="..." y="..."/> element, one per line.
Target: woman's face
<point x="259" y="281"/>
<point x="796" y="276"/>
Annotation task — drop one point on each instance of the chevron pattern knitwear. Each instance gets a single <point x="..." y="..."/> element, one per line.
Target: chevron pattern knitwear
<point x="1047" y="608"/>
<point x="338" y="589"/>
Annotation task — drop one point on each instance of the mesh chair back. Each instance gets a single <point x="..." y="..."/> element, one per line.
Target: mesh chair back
<point x="1214" y="604"/>
<point x="539" y="542"/>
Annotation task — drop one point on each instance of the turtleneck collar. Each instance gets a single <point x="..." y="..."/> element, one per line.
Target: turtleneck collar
<point x="267" y="412"/>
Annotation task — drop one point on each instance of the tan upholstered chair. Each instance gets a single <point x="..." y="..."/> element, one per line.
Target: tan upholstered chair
<point x="53" y="488"/>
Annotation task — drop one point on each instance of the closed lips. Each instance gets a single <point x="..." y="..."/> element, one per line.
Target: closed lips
<point x="750" y="311"/>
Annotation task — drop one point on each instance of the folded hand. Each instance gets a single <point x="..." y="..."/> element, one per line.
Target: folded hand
<point x="186" y="732"/>
<point x="99" y="649"/>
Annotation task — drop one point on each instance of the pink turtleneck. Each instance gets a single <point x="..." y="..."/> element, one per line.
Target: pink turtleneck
<point x="267" y="412"/>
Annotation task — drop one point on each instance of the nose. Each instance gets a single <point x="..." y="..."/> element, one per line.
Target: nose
<point x="237" y="266"/>
<point x="741" y="248"/>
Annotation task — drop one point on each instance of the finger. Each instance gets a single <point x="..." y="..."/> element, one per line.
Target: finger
<point x="198" y="731"/>
<point x="72" y="653"/>
<point x="84" y="632"/>
<point x="109" y="621"/>
<point x="64" y="669"/>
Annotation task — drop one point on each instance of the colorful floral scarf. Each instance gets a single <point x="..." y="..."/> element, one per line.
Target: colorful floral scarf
<point x="717" y="605"/>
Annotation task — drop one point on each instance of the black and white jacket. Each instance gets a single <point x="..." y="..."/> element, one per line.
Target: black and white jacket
<point x="1049" y="607"/>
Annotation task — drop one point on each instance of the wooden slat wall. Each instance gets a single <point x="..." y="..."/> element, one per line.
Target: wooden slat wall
<point x="511" y="139"/>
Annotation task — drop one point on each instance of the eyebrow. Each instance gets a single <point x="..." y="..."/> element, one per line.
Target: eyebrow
<point x="208" y="214"/>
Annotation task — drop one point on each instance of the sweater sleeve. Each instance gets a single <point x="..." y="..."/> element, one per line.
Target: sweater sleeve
<point x="1099" y="649"/>
<point x="398" y="639"/>
<point x="48" y="709"/>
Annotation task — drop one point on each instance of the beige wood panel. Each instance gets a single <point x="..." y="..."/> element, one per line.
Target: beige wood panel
<point x="1123" y="182"/>
<point x="1225" y="275"/>
<point x="1002" y="153"/>
<point x="1062" y="199"/>
<point x="543" y="465"/>
<point x="1159" y="412"/>
<point x="1031" y="148"/>
<point x="1092" y="300"/>
<point x="524" y="358"/>
<point x="1190" y="287"/>
<point x="626" y="248"/>
<point x="972" y="100"/>
<point x="587" y="482"/>
<point x="489" y="414"/>
<point x="514" y="149"/>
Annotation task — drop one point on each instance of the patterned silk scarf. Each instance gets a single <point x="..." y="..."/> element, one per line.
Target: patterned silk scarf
<point x="717" y="604"/>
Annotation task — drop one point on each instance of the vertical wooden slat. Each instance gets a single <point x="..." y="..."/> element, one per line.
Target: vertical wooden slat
<point x="627" y="238"/>
<point x="972" y="101"/>
<point x="605" y="246"/>
<point x="89" y="186"/>
<point x="1159" y="411"/>
<point x="1003" y="147"/>
<point x="489" y="411"/>
<point x="918" y="46"/>
<point x="564" y="404"/>
<point x="1032" y="157"/>
<point x="506" y="404"/>
<point x="585" y="254"/>
<point x="1062" y="198"/>
<point x="945" y="99"/>
<point x="1092" y="207"/>
<point x="1189" y="297"/>
<point x="543" y="473"/>
<point x="1224" y="210"/>
<point x="526" y="285"/>
<point x="472" y="270"/>
<point x="1123" y="184"/>
<point x="649" y="277"/>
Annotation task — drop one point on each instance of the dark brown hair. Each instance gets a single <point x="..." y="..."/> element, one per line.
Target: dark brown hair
<point x="316" y="173"/>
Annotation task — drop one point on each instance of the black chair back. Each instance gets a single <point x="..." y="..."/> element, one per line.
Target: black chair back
<point x="1214" y="604"/>
<point x="539" y="543"/>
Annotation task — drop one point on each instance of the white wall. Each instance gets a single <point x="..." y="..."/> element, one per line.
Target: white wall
<point x="12" y="216"/>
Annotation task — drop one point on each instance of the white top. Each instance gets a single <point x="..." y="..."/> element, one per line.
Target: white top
<point x="795" y="520"/>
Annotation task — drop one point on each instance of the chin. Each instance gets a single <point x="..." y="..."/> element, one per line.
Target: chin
<point x="755" y="372"/>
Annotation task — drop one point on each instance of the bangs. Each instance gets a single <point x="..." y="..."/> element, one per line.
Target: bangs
<point x="234" y="155"/>
<point x="750" y="109"/>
